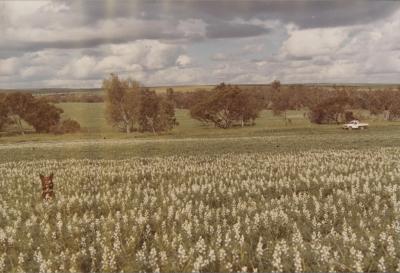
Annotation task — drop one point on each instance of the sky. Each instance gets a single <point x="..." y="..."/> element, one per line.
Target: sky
<point x="76" y="44"/>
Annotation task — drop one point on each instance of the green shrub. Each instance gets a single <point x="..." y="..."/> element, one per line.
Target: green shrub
<point x="68" y="126"/>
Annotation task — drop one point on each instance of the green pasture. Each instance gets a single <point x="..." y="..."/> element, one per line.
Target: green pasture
<point x="93" y="120"/>
<point x="94" y="125"/>
<point x="270" y="134"/>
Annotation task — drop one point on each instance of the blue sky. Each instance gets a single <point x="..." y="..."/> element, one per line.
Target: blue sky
<point x="171" y="42"/>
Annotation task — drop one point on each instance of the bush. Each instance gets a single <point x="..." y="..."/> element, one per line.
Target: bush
<point x="67" y="126"/>
<point x="331" y="110"/>
<point x="349" y="116"/>
<point x="43" y="116"/>
<point x="70" y="126"/>
<point x="4" y="119"/>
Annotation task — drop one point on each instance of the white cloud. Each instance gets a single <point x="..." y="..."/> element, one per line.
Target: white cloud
<point x="8" y="66"/>
<point x="383" y="63"/>
<point x="139" y="60"/>
<point x="176" y="75"/>
<point x="79" y="68"/>
<point x="253" y="48"/>
<point x="183" y="61"/>
<point x="252" y="78"/>
<point x="270" y="24"/>
<point x="150" y="54"/>
<point x="192" y="28"/>
<point x="20" y="9"/>
<point x="55" y="7"/>
<point x="130" y="59"/>
<point x="112" y="63"/>
<point x="50" y="43"/>
<point x="307" y="43"/>
<point x="360" y="53"/>
<point x="219" y="57"/>
<point x="31" y="72"/>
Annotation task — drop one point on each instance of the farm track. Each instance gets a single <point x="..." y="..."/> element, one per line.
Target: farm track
<point x="281" y="138"/>
<point x="55" y="144"/>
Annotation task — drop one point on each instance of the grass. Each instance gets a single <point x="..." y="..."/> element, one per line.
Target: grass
<point x="270" y="134"/>
<point x="271" y="197"/>
<point x="92" y="118"/>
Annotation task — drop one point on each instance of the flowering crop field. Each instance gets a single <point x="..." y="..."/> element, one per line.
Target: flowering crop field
<point x="315" y="210"/>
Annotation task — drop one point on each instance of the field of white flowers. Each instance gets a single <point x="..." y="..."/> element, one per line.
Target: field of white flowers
<point x="303" y="211"/>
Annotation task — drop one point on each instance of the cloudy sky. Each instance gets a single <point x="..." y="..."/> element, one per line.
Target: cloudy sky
<point x="78" y="43"/>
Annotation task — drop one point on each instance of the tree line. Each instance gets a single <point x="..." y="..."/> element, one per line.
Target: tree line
<point x="325" y="104"/>
<point x="131" y="106"/>
<point x="17" y="108"/>
<point x="63" y="98"/>
<point x="321" y="105"/>
<point x="337" y="105"/>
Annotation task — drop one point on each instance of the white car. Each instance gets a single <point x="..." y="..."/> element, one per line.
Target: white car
<point x="355" y="124"/>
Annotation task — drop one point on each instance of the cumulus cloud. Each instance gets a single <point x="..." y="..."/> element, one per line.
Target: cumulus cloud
<point x="55" y="7"/>
<point x="192" y="28"/>
<point x="80" y="68"/>
<point x="151" y="54"/>
<point x="72" y="44"/>
<point x="359" y="53"/>
<point x="8" y="66"/>
<point x="134" y="57"/>
<point x="106" y="31"/>
<point x="183" y="61"/>
<point x="219" y="57"/>
<point x="177" y="76"/>
<point x="309" y="43"/>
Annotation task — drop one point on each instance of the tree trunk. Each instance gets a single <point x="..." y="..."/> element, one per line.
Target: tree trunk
<point x="386" y="115"/>
<point x="19" y="124"/>
<point x="284" y="114"/>
<point x="125" y="119"/>
<point x="151" y="123"/>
